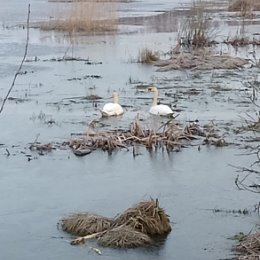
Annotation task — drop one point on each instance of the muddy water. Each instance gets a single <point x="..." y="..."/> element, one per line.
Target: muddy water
<point x="36" y="194"/>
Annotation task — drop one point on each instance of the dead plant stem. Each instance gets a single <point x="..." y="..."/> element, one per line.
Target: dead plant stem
<point x="20" y="67"/>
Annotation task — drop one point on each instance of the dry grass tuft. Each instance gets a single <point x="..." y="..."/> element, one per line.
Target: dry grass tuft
<point x="170" y="137"/>
<point x="244" y="7"/>
<point x="83" y="224"/>
<point x="137" y="226"/>
<point x="196" y="30"/>
<point x="146" y="217"/>
<point x="147" y="56"/>
<point x="86" y="16"/>
<point x="241" y="40"/>
<point x="124" y="237"/>
<point x="200" y="60"/>
<point x="249" y="247"/>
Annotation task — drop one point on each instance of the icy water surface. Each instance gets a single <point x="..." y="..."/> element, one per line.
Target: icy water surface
<point x="48" y="104"/>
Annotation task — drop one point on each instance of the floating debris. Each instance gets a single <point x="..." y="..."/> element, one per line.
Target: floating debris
<point x="67" y="58"/>
<point x="85" y="77"/>
<point x="41" y="148"/>
<point x="170" y="136"/>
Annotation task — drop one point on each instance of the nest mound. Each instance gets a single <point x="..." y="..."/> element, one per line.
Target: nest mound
<point x="124" y="237"/>
<point x="249" y="247"/>
<point x="146" y="217"/>
<point x="83" y="224"/>
<point x="200" y="60"/>
<point x="137" y="226"/>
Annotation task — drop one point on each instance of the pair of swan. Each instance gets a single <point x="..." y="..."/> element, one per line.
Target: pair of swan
<point x="114" y="109"/>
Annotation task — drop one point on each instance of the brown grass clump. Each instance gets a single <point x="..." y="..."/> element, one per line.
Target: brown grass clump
<point x="170" y="137"/>
<point x="86" y="16"/>
<point x="196" y="29"/>
<point x="200" y="60"/>
<point x="146" y="217"/>
<point x="249" y="247"/>
<point x="241" y="40"/>
<point x="124" y="237"/>
<point x="147" y="56"/>
<point x="137" y="226"/>
<point x="245" y="7"/>
<point x="83" y="224"/>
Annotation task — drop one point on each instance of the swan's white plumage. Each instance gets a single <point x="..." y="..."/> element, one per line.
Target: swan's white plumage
<point x="161" y="110"/>
<point x="158" y="110"/>
<point x="112" y="109"/>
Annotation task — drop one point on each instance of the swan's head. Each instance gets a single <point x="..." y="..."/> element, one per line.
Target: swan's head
<point x="114" y="94"/>
<point x="152" y="88"/>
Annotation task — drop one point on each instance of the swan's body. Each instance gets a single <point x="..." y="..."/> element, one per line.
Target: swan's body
<point x="158" y="110"/>
<point x="112" y="109"/>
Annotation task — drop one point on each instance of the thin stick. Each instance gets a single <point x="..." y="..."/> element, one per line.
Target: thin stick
<point x="81" y="240"/>
<point x="20" y="67"/>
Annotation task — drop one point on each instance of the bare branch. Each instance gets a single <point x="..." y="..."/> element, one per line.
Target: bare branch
<point x="20" y="67"/>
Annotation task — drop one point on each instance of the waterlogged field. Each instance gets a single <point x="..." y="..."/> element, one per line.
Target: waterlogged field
<point x="51" y="103"/>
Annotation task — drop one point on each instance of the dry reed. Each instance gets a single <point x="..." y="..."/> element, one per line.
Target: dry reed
<point x="245" y="7"/>
<point x="242" y="40"/>
<point x="170" y="136"/>
<point x="83" y="224"/>
<point x="124" y="237"/>
<point x="86" y="16"/>
<point x="137" y="226"/>
<point x="249" y="247"/>
<point x="147" y="56"/>
<point x="196" y="30"/>
<point x="145" y="217"/>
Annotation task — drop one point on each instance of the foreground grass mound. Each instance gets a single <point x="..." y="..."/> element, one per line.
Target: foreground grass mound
<point x="139" y="225"/>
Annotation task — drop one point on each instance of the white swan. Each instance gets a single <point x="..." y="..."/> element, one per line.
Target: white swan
<point x="112" y="109"/>
<point x="158" y="110"/>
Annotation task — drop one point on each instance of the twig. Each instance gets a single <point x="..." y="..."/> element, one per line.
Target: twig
<point x="81" y="240"/>
<point x="20" y="67"/>
<point x="8" y="153"/>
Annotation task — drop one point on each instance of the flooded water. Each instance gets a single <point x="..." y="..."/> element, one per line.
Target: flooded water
<point x="190" y="184"/>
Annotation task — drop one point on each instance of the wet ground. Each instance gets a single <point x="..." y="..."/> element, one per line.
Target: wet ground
<point x="48" y="103"/>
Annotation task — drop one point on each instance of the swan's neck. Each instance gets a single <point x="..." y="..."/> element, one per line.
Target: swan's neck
<point x="155" y="98"/>
<point x="115" y="98"/>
